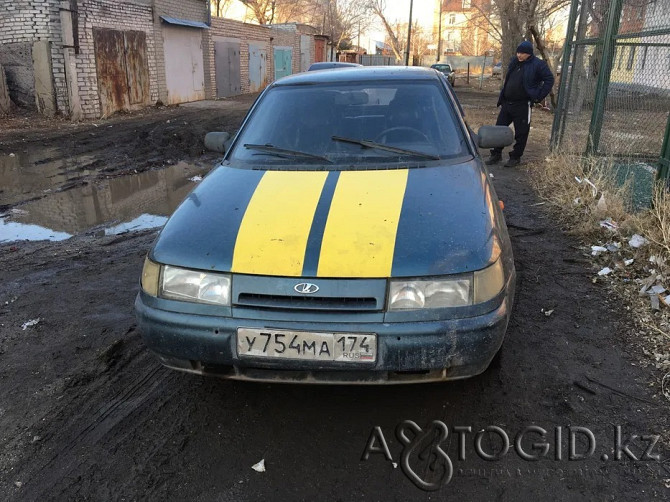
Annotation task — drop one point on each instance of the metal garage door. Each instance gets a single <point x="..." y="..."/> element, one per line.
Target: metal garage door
<point x="184" y="69"/>
<point x="283" y="61"/>
<point x="122" y="69"/>
<point x="257" y="67"/>
<point x="227" y="64"/>
<point x="305" y="52"/>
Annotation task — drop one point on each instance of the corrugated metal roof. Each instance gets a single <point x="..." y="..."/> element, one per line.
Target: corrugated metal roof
<point x="184" y="22"/>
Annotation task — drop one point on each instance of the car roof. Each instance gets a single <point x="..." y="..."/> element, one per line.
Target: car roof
<point x="332" y="64"/>
<point x="362" y="74"/>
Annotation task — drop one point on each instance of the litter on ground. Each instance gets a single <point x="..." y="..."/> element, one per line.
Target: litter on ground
<point x="30" y="323"/>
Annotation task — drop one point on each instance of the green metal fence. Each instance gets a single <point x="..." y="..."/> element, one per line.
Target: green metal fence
<point x="614" y="94"/>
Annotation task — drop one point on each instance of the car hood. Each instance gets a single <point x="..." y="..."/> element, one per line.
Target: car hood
<point x="379" y="223"/>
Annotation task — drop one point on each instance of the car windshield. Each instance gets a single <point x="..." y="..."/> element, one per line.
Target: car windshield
<point x="442" y="67"/>
<point x="357" y="126"/>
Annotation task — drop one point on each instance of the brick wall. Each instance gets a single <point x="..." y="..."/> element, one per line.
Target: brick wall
<point x="112" y="14"/>
<point x="192" y="10"/>
<point x="245" y="33"/>
<point x="27" y="21"/>
<point x="268" y="37"/>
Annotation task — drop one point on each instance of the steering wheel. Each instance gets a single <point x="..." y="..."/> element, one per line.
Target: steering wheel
<point x="401" y="129"/>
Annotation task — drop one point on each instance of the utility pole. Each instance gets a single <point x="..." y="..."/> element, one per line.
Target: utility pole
<point x="439" y="35"/>
<point x="409" y="33"/>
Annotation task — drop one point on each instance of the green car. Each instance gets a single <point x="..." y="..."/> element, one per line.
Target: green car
<point x="447" y="70"/>
<point x="350" y="234"/>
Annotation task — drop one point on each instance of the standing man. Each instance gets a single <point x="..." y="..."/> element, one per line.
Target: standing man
<point x="528" y="81"/>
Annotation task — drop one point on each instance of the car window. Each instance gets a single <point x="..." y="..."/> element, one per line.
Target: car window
<point x="303" y="125"/>
<point x="442" y="67"/>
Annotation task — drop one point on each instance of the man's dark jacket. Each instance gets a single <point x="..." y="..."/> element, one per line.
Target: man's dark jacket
<point x="537" y="78"/>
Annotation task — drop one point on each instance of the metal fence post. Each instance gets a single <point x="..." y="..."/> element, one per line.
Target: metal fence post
<point x="559" y="114"/>
<point x="664" y="161"/>
<point x="613" y="20"/>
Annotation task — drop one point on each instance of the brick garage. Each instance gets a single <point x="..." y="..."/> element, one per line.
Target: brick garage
<point x="75" y="90"/>
<point x="267" y="37"/>
<point x="65" y="33"/>
<point x="117" y="16"/>
<point x="22" y="23"/>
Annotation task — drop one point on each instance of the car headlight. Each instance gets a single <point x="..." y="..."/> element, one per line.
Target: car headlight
<point x="174" y="283"/>
<point x="479" y="287"/>
<point x="423" y="294"/>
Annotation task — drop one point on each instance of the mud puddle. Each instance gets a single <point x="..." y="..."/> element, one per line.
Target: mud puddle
<point x="112" y="206"/>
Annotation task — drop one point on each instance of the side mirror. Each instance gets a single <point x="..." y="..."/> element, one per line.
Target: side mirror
<point x="218" y="141"/>
<point x="494" y="136"/>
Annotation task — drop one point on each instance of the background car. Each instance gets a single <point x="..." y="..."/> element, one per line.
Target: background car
<point x="496" y="71"/>
<point x="328" y="65"/>
<point x="447" y="70"/>
<point x="358" y="239"/>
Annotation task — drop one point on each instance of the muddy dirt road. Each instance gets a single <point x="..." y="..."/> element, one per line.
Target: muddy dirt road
<point x="86" y="413"/>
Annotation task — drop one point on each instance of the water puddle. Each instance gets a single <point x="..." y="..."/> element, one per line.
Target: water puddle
<point x="113" y="206"/>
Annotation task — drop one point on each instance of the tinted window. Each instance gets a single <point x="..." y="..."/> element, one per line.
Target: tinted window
<point x="415" y="116"/>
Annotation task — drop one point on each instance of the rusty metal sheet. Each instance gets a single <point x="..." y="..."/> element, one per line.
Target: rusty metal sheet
<point x="111" y="70"/>
<point x="137" y="67"/>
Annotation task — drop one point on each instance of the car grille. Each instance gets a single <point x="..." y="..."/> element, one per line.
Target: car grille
<point x="332" y="295"/>
<point x="306" y="302"/>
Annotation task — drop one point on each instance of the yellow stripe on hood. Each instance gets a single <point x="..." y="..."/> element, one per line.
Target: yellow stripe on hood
<point x="274" y="231"/>
<point x="359" y="239"/>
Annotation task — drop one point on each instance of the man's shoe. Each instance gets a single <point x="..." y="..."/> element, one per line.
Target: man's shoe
<point x="512" y="162"/>
<point x="493" y="159"/>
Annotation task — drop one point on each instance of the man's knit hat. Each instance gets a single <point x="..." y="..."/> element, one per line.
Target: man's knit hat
<point x="525" y="47"/>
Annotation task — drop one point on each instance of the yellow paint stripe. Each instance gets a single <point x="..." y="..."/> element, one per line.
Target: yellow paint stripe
<point x="274" y="231"/>
<point x="360" y="233"/>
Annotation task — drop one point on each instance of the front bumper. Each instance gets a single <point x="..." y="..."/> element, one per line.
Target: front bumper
<point x="406" y="351"/>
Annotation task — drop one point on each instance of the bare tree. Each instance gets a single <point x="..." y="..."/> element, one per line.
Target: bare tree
<point x="300" y="11"/>
<point x="511" y="21"/>
<point x="394" y="37"/>
<point x="263" y="10"/>
<point x="218" y="7"/>
<point x="343" y="20"/>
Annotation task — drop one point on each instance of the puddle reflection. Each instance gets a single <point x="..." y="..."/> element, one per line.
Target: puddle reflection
<point x="135" y="202"/>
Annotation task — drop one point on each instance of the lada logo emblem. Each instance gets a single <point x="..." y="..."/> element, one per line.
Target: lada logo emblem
<point x="306" y="288"/>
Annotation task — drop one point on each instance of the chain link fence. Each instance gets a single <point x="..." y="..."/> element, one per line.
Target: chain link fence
<point x="614" y="94"/>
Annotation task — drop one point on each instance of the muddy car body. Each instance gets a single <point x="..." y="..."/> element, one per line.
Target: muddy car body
<point x="358" y="239"/>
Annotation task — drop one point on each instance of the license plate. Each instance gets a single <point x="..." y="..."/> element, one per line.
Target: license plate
<point x="304" y="345"/>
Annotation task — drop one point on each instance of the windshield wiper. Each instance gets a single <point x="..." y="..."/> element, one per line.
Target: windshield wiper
<point x="282" y="152"/>
<point x="371" y="144"/>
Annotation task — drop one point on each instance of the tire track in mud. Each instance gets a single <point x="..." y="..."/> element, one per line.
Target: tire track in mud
<point x="94" y="427"/>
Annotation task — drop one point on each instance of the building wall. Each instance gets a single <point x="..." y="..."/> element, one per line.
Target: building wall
<point x="269" y="37"/>
<point x="192" y="10"/>
<point x="245" y="33"/>
<point x="122" y="16"/>
<point x="459" y="35"/>
<point x="28" y="21"/>
<point x="288" y="35"/>
<point x="24" y="22"/>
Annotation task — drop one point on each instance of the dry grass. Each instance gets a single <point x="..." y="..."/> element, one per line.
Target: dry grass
<point x="583" y="191"/>
<point x="581" y="207"/>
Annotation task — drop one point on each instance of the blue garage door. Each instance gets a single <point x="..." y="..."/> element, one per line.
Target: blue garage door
<point x="283" y="61"/>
